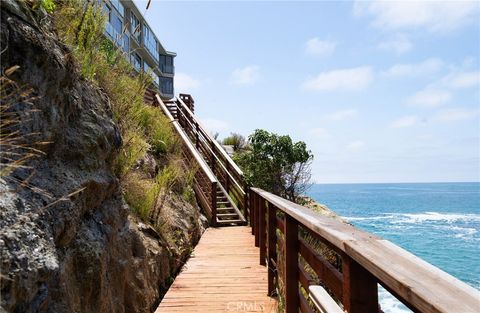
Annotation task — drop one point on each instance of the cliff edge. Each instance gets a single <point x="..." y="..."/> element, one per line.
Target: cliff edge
<point x="68" y="242"/>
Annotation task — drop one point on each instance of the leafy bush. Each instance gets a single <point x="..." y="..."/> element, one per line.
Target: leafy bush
<point x="277" y="164"/>
<point x="48" y="5"/>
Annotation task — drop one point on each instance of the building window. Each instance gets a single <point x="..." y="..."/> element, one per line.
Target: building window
<point x="118" y="6"/>
<point x="116" y="23"/>
<point x="106" y="10"/>
<point x="150" y="42"/>
<point x="166" y="62"/>
<point x="166" y="85"/>
<point x="147" y="69"/>
<point x="136" y="61"/>
<point x="135" y="27"/>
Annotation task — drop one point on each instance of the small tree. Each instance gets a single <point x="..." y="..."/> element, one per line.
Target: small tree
<point x="276" y="164"/>
<point x="236" y="140"/>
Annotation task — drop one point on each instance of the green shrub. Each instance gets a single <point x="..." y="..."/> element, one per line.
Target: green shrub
<point x="48" y="5"/>
<point x="158" y="130"/>
<point x="236" y="140"/>
<point x="134" y="148"/>
<point x="141" y="194"/>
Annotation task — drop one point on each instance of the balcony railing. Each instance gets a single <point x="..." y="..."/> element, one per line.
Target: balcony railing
<point x="120" y="40"/>
<point x="169" y="69"/>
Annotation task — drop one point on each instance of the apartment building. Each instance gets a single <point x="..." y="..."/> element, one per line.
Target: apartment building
<point x="128" y="29"/>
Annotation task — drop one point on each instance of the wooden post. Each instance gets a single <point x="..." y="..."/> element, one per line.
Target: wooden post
<point x="214" y="204"/>
<point x="262" y="231"/>
<point x="246" y="204"/>
<point x="360" y="294"/>
<point x="292" y="300"/>
<point x="227" y="176"/>
<point x="212" y="159"/>
<point x="197" y="143"/>
<point x="252" y="210"/>
<point x="257" y="219"/>
<point x="271" y="247"/>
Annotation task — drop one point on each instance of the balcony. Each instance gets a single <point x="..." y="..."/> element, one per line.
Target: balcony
<point x="166" y="86"/>
<point x="169" y="69"/>
<point x="120" y="40"/>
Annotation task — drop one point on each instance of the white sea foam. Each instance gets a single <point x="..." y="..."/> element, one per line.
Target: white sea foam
<point x="369" y="218"/>
<point x="419" y="217"/>
<point x="390" y="304"/>
<point x="436" y="217"/>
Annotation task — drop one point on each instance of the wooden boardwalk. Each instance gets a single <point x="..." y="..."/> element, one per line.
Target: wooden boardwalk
<point x="223" y="275"/>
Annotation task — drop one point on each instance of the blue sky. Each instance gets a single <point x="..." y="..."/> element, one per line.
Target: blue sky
<point x="379" y="91"/>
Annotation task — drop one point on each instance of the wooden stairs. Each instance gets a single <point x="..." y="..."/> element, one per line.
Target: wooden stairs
<point x="222" y="198"/>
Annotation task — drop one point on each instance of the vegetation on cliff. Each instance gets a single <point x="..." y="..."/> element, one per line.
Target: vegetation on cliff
<point x="75" y="246"/>
<point x="146" y="132"/>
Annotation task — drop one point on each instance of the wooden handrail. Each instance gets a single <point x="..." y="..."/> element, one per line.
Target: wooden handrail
<point x="209" y="148"/>
<point x="208" y="199"/>
<point x="366" y="260"/>
<point x="217" y="145"/>
<point x="187" y="142"/>
<point x="222" y="166"/>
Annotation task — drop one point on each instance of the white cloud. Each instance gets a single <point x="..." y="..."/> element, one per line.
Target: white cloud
<point x="355" y="145"/>
<point x="460" y="79"/>
<point x="405" y="121"/>
<point x="455" y="114"/>
<point x="429" y="98"/>
<point x="424" y="68"/>
<point x="340" y="115"/>
<point x="434" y="16"/>
<point x="399" y="44"/>
<point x="319" y="132"/>
<point x="214" y="125"/>
<point x="320" y="48"/>
<point x="357" y="78"/>
<point x="184" y="82"/>
<point x="248" y="75"/>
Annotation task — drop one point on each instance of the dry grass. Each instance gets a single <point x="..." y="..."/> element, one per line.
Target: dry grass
<point x="144" y="129"/>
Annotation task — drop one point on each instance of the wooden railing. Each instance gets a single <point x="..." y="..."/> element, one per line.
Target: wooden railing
<point x="227" y="172"/>
<point x="306" y="252"/>
<point x="205" y="183"/>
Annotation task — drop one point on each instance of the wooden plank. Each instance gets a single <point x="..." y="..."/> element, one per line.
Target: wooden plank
<point x="323" y="301"/>
<point x="360" y="293"/>
<point x="256" y="208"/>
<point x="416" y="282"/>
<point x="304" y="277"/>
<point x="222" y="275"/>
<point x="271" y="246"/>
<point x="304" y="307"/>
<point x="291" y="265"/>
<point x="328" y="274"/>
<point x="262" y="231"/>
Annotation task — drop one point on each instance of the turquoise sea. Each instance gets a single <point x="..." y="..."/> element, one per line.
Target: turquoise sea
<point x="439" y="222"/>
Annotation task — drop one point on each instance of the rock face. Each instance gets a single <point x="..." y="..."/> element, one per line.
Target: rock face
<point x="82" y="253"/>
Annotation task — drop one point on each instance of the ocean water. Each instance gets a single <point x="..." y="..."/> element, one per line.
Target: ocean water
<point x="438" y="222"/>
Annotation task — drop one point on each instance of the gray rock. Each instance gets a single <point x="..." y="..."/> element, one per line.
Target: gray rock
<point x="84" y="253"/>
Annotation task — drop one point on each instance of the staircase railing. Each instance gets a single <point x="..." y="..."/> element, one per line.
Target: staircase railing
<point x="230" y="176"/>
<point x="350" y="276"/>
<point x="205" y="183"/>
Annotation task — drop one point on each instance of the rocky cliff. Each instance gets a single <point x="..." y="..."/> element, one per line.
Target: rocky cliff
<point x="68" y="242"/>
